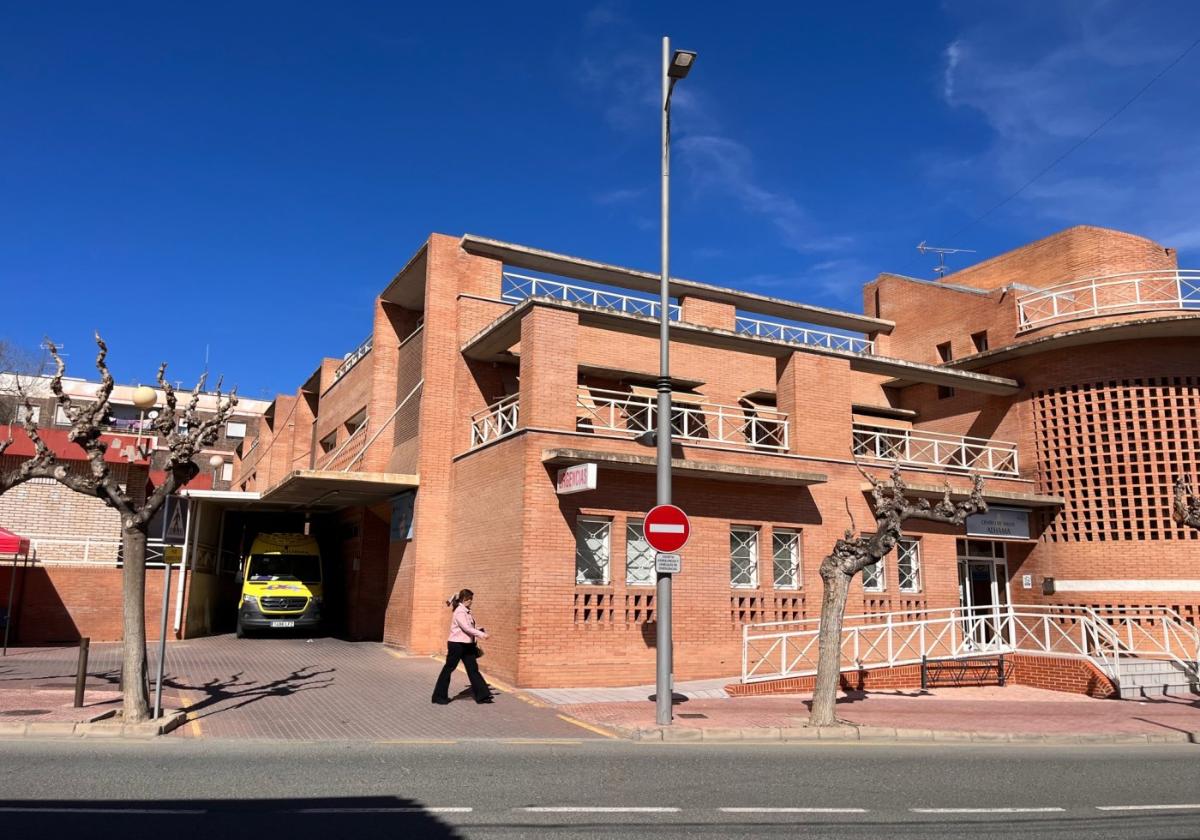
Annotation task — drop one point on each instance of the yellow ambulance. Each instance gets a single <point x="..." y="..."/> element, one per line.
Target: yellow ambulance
<point x="281" y="584"/>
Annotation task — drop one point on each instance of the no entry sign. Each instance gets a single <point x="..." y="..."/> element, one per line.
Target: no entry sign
<point x="667" y="529"/>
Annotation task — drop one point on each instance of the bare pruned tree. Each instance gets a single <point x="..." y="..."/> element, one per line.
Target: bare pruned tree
<point x="1186" y="510"/>
<point x="184" y="441"/>
<point x="854" y="552"/>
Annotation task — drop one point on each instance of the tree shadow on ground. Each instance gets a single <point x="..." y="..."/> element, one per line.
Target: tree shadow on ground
<point x="319" y="818"/>
<point x="236" y="692"/>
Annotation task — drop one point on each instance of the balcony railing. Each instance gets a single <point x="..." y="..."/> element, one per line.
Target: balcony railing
<point x="518" y="287"/>
<point x="931" y="449"/>
<point x="630" y="414"/>
<point x="803" y="335"/>
<point x="353" y="358"/>
<point x="1112" y="295"/>
<point x="496" y="421"/>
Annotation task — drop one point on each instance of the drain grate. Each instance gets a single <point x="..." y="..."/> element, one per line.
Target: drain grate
<point x="692" y="715"/>
<point x="24" y="712"/>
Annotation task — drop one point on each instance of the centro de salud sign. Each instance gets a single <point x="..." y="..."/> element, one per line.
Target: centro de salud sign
<point x="576" y="479"/>
<point x="1000" y="523"/>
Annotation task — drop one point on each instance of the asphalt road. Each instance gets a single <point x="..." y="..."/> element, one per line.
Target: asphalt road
<point x="215" y="789"/>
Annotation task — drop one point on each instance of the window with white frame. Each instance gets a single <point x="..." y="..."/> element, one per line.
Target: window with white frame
<point x="873" y="576"/>
<point x="235" y="430"/>
<point x="743" y="557"/>
<point x="639" y="556"/>
<point x="593" y="549"/>
<point x="35" y="414"/>
<point x="227" y="471"/>
<point x="60" y="416"/>
<point x="785" y="551"/>
<point x="908" y="565"/>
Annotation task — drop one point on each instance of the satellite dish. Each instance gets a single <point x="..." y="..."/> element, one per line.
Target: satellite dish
<point x="153" y="415"/>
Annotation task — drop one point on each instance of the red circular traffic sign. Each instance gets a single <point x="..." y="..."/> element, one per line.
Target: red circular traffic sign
<point x="667" y="529"/>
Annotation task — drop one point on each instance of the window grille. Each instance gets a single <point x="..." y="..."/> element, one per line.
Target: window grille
<point x="639" y="556"/>
<point x="785" y="548"/>
<point x="908" y="565"/>
<point x="592" y="550"/>
<point x="743" y="557"/>
<point x="873" y="576"/>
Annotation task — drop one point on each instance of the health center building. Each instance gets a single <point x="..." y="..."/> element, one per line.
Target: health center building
<point x="436" y="455"/>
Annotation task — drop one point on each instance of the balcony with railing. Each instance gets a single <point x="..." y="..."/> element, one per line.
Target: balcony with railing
<point x="1112" y="295"/>
<point x="353" y="358"/>
<point x="498" y="420"/>
<point x="932" y="449"/>
<point x="793" y="334"/>
<point x="518" y="287"/>
<point x="601" y="411"/>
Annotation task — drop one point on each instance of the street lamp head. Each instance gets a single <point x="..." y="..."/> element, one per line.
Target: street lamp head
<point x="144" y="397"/>
<point x="681" y="63"/>
<point x="216" y="461"/>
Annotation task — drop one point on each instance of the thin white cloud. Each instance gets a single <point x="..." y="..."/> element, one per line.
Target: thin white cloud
<point x="619" y="196"/>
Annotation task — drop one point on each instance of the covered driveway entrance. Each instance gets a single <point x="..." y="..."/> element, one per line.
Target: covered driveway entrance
<point x="348" y="513"/>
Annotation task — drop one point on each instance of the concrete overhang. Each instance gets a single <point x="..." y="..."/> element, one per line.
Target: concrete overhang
<point x="990" y="495"/>
<point x="548" y="262"/>
<point x="492" y="344"/>
<point x="322" y="489"/>
<point x="1183" y="325"/>
<point x="683" y="467"/>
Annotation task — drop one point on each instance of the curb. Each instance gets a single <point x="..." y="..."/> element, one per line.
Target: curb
<point x="886" y="734"/>
<point x="103" y="729"/>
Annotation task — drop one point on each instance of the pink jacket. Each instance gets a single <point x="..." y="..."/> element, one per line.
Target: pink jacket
<point x="462" y="626"/>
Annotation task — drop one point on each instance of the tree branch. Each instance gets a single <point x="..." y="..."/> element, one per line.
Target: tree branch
<point x="1186" y="507"/>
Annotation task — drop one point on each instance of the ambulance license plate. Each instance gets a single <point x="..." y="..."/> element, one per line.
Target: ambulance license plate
<point x="283" y="624"/>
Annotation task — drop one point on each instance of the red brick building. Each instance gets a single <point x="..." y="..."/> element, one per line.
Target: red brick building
<point x="1065" y="372"/>
<point x="490" y="367"/>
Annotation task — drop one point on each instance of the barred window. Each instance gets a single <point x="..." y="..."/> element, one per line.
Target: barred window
<point x="592" y="549"/>
<point x="908" y="565"/>
<point x="639" y="556"/>
<point x="785" y="548"/>
<point x="743" y="557"/>
<point x="873" y="576"/>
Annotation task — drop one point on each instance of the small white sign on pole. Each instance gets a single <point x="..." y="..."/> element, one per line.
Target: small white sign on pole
<point x="576" y="479"/>
<point x="668" y="564"/>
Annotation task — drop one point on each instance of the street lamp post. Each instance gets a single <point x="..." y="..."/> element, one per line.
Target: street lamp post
<point x="675" y="66"/>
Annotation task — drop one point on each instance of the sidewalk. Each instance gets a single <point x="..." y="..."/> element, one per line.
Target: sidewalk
<point x="983" y="713"/>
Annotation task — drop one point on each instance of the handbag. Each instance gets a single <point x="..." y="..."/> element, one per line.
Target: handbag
<point x="478" y="651"/>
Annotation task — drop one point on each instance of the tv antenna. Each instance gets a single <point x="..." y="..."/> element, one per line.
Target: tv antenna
<point x="940" y="268"/>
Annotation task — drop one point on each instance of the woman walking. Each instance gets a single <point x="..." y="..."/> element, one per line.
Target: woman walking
<point x="461" y="647"/>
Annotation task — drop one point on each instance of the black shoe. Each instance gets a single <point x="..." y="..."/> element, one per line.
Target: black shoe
<point x="445" y="702"/>
<point x="487" y="699"/>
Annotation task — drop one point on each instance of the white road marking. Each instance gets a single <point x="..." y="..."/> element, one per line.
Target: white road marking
<point x="794" y="810"/>
<point x="985" y="810"/>
<point x="576" y="809"/>
<point x="385" y="810"/>
<point x="1146" y="807"/>
<point x="35" y="810"/>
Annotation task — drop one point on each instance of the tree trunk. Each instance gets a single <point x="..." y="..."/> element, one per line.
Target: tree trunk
<point x="829" y="661"/>
<point x="133" y="666"/>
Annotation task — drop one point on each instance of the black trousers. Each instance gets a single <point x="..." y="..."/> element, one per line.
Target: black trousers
<point x="460" y="652"/>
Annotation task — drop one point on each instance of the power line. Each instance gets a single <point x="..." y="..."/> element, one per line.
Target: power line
<point x="1071" y="150"/>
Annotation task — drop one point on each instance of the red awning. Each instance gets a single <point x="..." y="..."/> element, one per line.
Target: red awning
<point x="122" y="447"/>
<point x="11" y="543"/>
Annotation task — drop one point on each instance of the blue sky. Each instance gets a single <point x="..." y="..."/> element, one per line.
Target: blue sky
<point x="248" y="176"/>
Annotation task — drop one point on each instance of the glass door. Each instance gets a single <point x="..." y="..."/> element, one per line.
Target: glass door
<point x="983" y="593"/>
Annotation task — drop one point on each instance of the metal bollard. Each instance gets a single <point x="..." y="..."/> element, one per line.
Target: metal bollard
<point x="1001" y="670"/>
<point x="81" y="671"/>
<point x="924" y="674"/>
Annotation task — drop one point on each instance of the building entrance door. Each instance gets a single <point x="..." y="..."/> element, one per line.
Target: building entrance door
<point x="983" y="593"/>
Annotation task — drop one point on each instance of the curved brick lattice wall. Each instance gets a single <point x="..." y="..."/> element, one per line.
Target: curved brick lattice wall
<point x="1113" y="450"/>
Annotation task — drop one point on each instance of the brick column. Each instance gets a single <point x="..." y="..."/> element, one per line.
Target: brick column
<point x="814" y="391"/>
<point x="708" y="313"/>
<point x="549" y="367"/>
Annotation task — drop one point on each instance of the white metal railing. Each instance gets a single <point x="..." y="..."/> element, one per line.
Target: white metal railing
<point x="353" y="358"/>
<point x="933" y="449"/>
<point x="50" y="550"/>
<point x="519" y="287"/>
<point x="601" y="410"/>
<point x="496" y="421"/>
<point x="1111" y="295"/>
<point x="1102" y="636"/>
<point x="803" y="335"/>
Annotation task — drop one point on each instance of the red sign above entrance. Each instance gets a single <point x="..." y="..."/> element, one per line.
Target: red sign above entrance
<point x="667" y="528"/>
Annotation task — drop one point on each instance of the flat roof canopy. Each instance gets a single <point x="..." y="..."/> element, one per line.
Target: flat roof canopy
<point x="990" y="495"/>
<point x="682" y="467"/>
<point x="493" y="342"/>
<point x="548" y="262"/>
<point x="322" y="489"/>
